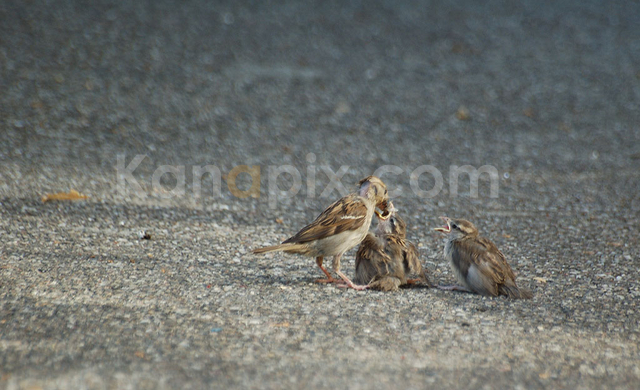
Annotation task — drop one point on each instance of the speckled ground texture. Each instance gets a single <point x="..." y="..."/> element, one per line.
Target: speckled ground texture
<point x="548" y="93"/>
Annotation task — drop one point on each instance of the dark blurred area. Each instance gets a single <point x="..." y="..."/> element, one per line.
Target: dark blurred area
<point x="546" y="85"/>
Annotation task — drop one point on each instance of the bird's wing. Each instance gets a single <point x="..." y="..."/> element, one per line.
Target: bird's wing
<point x="394" y="248"/>
<point x="345" y="214"/>
<point x="486" y="257"/>
<point x="370" y="248"/>
<point x="411" y="256"/>
<point x="371" y="260"/>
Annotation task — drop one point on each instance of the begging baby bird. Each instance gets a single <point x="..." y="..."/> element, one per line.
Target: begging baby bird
<point x="478" y="264"/>
<point x="386" y="258"/>
<point x="340" y="227"/>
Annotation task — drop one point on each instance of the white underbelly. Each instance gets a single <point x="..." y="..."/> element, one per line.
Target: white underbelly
<point x="340" y="243"/>
<point x="456" y="271"/>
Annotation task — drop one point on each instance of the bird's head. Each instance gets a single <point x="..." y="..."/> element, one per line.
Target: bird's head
<point x="392" y="224"/>
<point x="457" y="227"/>
<point x="375" y="190"/>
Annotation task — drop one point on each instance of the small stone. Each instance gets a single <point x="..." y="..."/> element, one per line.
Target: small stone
<point x="463" y="114"/>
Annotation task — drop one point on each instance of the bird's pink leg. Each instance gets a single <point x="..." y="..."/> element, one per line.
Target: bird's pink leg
<point x="347" y="281"/>
<point x="350" y="284"/>
<point x="329" y="279"/>
<point x="453" y="287"/>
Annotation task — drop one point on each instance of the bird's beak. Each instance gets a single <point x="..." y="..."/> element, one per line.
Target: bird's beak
<point x="445" y="229"/>
<point x="388" y="210"/>
<point x="383" y="216"/>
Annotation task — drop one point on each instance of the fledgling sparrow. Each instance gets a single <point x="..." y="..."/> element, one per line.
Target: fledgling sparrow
<point x="340" y="227"/>
<point x="385" y="259"/>
<point x="478" y="264"/>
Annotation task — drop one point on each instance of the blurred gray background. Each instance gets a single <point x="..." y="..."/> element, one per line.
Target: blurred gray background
<point x="548" y="93"/>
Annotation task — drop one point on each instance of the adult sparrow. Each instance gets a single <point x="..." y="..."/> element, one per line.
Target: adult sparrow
<point x="386" y="258"/>
<point x="478" y="264"/>
<point x="340" y="227"/>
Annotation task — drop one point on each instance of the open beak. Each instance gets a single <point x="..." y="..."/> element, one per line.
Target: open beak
<point x="386" y="212"/>
<point x="447" y="228"/>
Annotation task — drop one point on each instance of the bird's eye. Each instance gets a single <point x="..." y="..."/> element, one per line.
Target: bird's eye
<point x="454" y="226"/>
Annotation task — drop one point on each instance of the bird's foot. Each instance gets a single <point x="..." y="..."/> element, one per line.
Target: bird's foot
<point x="346" y="282"/>
<point x="453" y="288"/>
<point x="357" y="287"/>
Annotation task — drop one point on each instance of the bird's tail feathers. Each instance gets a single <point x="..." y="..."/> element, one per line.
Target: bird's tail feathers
<point x="516" y="292"/>
<point x="289" y="247"/>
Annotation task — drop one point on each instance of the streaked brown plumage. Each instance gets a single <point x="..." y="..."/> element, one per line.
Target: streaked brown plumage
<point x="340" y="227"/>
<point x="478" y="264"/>
<point x="385" y="259"/>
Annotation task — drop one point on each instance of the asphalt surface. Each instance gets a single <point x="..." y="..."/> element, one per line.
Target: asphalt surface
<point x="138" y="286"/>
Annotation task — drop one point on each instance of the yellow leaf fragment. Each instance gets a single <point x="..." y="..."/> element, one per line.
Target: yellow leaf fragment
<point x="71" y="195"/>
<point x="463" y="114"/>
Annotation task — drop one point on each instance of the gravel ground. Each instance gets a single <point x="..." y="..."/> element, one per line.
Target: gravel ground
<point x="134" y="288"/>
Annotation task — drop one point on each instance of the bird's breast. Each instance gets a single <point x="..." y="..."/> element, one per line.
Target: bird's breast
<point x="455" y="263"/>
